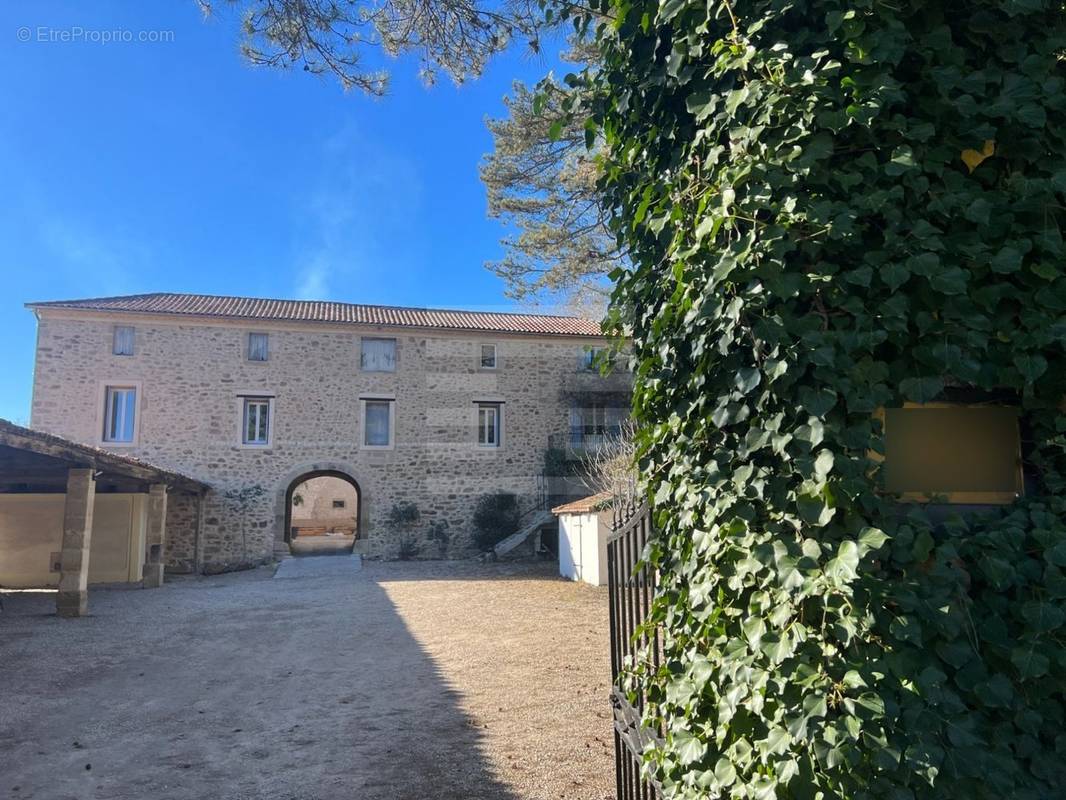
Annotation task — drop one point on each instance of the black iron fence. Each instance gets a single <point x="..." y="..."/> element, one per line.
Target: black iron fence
<point x="631" y="587"/>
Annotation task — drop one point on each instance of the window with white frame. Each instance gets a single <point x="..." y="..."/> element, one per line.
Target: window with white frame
<point x="378" y="355"/>
<point x="255" y="421"/>
<point x="378" y="422"/>
<point x="488" y="356"/>
<point x="120" y="414"/>
<point x="489" y="424"/>
<point x="258" y="346"/>
<point x="122" y="340"/>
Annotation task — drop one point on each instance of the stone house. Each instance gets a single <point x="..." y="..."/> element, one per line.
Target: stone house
<point x="253" y="397"/>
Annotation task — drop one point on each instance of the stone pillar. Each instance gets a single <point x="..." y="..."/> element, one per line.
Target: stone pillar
<point x="73" y="597"/>
<point x="155" y="536"/>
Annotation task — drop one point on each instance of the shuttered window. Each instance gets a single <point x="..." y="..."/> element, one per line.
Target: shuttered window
<point x="378" y="355"/>
<point x="122" y="341"/>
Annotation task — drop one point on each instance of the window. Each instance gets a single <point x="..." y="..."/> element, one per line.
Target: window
<point x="255" y="421"/>
<point x="591" y="357"/>
<point x="257" y="346"/>
<point x="591" y="426"/>
<point x="488" y="356"/>
<point x="377" y="422"/>
<point x="955" y="453"/>
<point x="378" y="355"/>
<point x="489" y="418"/>
<point x="122" y="341"/>
<point x="338" y="504"/>
<point x="120" y="414"/>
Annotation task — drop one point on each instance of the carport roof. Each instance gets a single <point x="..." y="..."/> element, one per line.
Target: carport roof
<point x="79" y="455"/>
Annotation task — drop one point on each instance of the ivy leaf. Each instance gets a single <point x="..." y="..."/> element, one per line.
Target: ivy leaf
<point x="872" y="538"/>
<point x="1007" y="260"/>
<point x="688" y="748"/>
<point x="922" y="390"/>
<point x="776" y="742"/>
<point x="823" y="463"/>
<point x="894" y="275"/>
<point x="747" y="379"/>
<point x="844" y="567"/>
<point x="950" y="281"/>
<point x="974" y="158"/>
<point x="1030" y="365"/>
<point x="1030" y="664"/>
<point x="725" y="773"/>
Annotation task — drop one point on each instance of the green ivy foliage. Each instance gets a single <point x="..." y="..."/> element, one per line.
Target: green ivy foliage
<point x="833" y="207"/>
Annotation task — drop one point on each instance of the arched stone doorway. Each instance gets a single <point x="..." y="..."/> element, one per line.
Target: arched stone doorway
<point x="320" y="510"/>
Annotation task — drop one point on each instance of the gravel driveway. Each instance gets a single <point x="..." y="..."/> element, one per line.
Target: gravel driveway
<point x="403" y="680"/>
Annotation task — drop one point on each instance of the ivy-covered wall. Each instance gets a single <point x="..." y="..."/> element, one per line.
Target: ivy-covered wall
<point x="834" y="207"/>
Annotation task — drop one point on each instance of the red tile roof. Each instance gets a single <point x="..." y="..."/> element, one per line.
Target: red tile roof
<point x="201" y="305"/>
<point x="586" y="505"/>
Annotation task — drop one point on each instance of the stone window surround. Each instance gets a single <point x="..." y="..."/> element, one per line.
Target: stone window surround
<point x="495" y="356"/>
<point x="256" y="394"/>
<point x="101" y="411"/>
<point x="497" y="403"/>
<point x="391" y="400"/>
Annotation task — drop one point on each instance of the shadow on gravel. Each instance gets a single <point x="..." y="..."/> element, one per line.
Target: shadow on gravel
<point x="227" y="688"/>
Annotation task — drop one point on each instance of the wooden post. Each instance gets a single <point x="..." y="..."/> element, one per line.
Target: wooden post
<point x="73" y="597"/>
<point x="155" y="539"/>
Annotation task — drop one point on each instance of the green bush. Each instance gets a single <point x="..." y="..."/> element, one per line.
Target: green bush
<point x="409" y="547"/>
<point x="496" y="517"/>
<point x="404" y="514"/>
<point x="829" y="208"/>
<point x="439" y="533"/>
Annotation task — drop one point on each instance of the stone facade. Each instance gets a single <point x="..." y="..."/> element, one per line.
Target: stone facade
<point x="191" y="375"/>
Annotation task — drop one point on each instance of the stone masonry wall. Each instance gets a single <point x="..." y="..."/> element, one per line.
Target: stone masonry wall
<point x="183" y="519"/>
<point x="191" y="376"/>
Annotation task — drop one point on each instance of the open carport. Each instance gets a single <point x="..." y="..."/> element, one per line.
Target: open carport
<point x="71" y="515"/>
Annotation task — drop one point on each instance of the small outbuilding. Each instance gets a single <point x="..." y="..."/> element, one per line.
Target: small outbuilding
<point x="583" y="529"/>
<point x="71" y="515"/>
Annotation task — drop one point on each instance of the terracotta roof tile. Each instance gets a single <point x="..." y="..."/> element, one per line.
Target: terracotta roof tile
<point x="586" y="505"/>
<point x="329" y="311"/>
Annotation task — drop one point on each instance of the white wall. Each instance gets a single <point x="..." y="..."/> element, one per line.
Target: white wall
<point x="31" y="530"/>
<point x="583" y="547"/>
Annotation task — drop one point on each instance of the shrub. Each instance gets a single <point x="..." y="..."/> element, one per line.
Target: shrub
<point x="404" y="515"/>
<point x="438" y="532"/>
<point x="409" y="547"/>
<point x="496" y="517"/>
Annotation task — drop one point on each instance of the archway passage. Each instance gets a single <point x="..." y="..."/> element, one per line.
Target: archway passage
<point x="322" y="513"/>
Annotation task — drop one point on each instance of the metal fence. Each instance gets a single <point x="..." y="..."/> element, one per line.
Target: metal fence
<point x="631" y="587"/>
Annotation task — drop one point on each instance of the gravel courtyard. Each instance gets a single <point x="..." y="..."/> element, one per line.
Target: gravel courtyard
<point x="403" y="680"/>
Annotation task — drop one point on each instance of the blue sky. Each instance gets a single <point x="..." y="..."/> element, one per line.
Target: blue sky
<point x="176" y="166"/>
